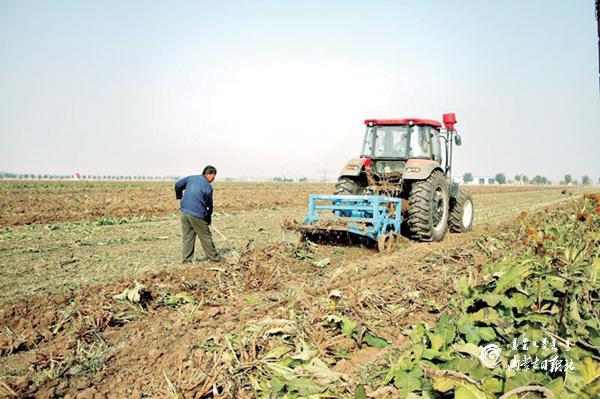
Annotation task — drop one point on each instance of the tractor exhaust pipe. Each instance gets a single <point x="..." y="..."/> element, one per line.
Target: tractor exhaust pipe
<point x="449" y="122"/>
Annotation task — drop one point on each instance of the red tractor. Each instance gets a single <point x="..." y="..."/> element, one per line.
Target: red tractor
<point x="404" y="158"/>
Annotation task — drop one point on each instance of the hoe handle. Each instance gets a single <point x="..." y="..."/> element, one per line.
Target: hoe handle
<point x="219" y="233"/>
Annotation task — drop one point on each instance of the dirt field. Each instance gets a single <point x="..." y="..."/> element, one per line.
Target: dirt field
<point x="51" y="202"/>
<point x="205" y="331"/>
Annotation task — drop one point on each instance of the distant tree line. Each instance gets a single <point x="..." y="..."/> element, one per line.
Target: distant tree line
<point x="39" y="176"/>
<point x="500" y="178"/>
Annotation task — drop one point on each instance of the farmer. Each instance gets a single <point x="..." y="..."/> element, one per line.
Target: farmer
<point x="196" y="195"/>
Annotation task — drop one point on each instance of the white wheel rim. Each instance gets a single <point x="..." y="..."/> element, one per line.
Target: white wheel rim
<point x="467" y="213"/>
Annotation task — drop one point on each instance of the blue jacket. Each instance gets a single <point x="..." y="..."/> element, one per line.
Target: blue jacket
<point x="196" y="196"/>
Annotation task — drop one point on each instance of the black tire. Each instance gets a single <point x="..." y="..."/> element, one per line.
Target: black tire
<point x="428" y="209"/>
<point x="348" y="186"/>
<point x="461" y="221"/>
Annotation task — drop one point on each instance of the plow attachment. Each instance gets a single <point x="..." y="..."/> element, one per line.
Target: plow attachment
<point x="375" y="217"/>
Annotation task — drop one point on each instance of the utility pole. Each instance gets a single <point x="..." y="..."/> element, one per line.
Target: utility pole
<point x="324" y="172"/>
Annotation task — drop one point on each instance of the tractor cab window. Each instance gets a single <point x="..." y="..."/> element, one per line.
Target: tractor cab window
<point x="386" y="142"/>
<point x="436" y="147"/>
<point x="402" y="142"/>
<point x="420" y="146"/>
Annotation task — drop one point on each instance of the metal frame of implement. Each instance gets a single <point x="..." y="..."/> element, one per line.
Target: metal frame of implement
<point x="365" y="215"/>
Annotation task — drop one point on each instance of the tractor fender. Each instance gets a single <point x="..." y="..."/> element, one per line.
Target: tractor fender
<point x="355" y="166"/>
<point x="420" y="169"/>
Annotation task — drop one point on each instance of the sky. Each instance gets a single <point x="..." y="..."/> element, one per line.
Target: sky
<point x="281" y="88"/>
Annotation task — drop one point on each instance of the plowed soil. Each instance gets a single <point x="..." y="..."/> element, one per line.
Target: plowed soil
<point x="40" y="202"/>
<point x="37" y="202"/>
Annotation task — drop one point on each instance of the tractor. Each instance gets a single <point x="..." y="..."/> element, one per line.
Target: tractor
<point x="401" y="181"/>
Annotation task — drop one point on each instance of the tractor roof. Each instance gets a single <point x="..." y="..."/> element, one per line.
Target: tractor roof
<point x="405" y="121"/>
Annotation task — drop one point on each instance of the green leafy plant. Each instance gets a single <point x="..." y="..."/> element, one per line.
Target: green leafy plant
<point x="548" y="293"/>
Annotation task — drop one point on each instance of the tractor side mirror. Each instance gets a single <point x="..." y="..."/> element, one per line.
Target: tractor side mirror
<point x="457" y="140"/>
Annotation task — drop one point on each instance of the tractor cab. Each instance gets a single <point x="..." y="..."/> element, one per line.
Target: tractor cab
<point x="392" y="145"/>
<point x="388" y="139"/>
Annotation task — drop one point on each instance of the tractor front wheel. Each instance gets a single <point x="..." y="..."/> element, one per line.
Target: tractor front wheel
<point x="428" y="208"/>
<point x="461" y="212"/>
<point x="348" y="186"/>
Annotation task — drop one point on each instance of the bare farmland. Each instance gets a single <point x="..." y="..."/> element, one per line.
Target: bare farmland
<point x="204" y="331"/>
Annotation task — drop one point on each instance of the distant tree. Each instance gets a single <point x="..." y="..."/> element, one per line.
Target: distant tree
<point x="277" y="179"/>
<point x="302" y="179"/>
<point x="568" y="179"/>
<point x="500" y="178"/>
<point x="575" y="183"/>
<point x="524" y="179"/>
<point x="585" y="180"/>
<point x="518" y="178"/>
<point x="468" y="177"/>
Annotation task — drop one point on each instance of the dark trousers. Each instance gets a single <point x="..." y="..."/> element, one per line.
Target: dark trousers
<point x="191" y="226"/>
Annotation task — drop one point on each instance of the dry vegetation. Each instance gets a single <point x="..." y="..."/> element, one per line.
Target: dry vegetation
<point x="94" y="303"/>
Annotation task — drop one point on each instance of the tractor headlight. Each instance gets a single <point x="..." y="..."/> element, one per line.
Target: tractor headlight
<point x="413" y="170"/>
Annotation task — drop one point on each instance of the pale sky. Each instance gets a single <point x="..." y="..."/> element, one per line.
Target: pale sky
<point x="266" y="88"/>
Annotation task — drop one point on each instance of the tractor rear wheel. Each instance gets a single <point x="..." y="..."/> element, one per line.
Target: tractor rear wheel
<point x="348" y="186"/>
<point x="428" y="208"/>
<point x="461" y="212"/>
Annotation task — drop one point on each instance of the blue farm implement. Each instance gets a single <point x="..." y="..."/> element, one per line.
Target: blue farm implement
<point x="376" y="217"/>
